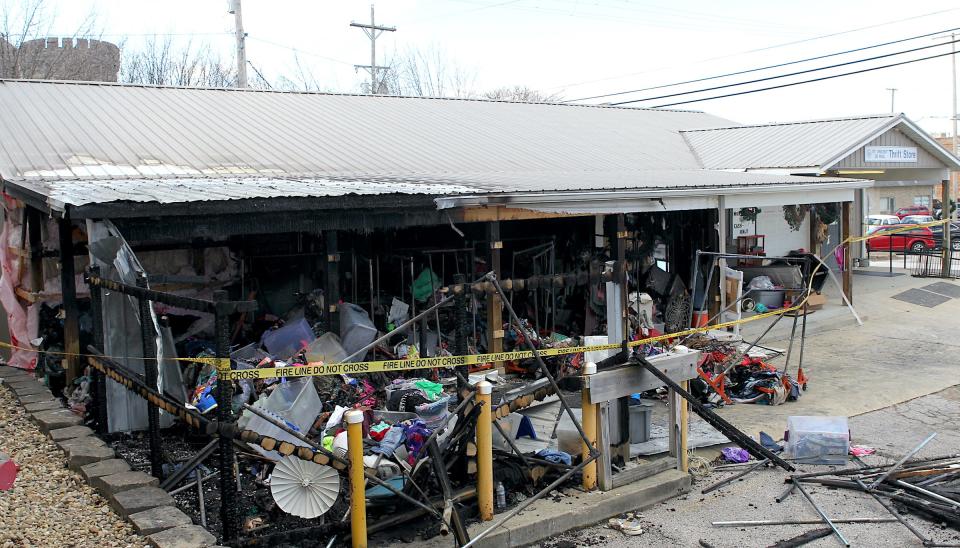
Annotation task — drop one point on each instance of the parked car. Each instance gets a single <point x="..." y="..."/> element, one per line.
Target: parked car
<point x="916" y="239"/>
<point x="917" y="219"/>
<point x="937" y="232"/>
<point x="912" y="210"/>
<point x="873" y="222"/>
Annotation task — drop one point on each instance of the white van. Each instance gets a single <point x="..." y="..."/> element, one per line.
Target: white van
<point x="873" y="222"/>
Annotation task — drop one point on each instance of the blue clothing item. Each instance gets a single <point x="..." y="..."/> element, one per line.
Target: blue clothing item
<point x="390" y="442"/>
<point x="558" y="457"/>
<point x="768" y="442"/>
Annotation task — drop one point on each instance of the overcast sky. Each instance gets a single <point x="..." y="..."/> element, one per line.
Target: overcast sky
<point x="580" y="48"/>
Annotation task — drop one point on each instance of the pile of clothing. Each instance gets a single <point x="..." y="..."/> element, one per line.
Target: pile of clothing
<point x="755" y="381"/>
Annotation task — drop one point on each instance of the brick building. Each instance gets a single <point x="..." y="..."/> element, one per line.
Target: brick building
<point x="60" y="59"/>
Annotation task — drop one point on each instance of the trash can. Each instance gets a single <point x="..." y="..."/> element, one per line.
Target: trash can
<point x="640" y="422"/>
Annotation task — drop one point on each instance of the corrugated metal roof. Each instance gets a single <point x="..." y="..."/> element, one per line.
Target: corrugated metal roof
<point x="67" y="130"/>
<point x="60" y="192"/>
<point x="787" y="145"/>
<point x="69" y="143"/>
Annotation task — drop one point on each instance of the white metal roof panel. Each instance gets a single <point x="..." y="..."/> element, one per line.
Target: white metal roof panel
<point x="786" y="145"/>
<point x="70" y="131"/>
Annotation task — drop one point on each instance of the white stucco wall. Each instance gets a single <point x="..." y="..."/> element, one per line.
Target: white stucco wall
<point x="770" y="222"/>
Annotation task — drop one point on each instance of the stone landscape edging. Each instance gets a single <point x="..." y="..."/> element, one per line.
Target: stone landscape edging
<point x="132" y="495"/>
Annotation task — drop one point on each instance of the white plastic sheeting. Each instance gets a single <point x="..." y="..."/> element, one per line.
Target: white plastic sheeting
<point x="126" y="411"/>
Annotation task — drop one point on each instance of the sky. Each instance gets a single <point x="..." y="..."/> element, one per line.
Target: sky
<point x="582" y="48"/>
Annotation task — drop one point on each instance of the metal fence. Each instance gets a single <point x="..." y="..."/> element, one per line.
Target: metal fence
<point x="934" y="264"/>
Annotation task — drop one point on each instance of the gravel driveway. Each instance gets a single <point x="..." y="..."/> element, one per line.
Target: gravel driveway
<point x="50" y="505"/>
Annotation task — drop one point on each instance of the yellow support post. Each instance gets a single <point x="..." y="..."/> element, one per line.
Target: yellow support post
<point x="485" y="451"/>
<point x="358" y="499"/>
<point x="589" y="419"/>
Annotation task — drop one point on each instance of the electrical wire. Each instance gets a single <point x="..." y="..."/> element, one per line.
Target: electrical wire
<point x="764" y="48"/>
<point x="297" y="50"/>
<point x="777" y="77"/>
<point x="798" y="83"/>
<point x="748" y="71"/>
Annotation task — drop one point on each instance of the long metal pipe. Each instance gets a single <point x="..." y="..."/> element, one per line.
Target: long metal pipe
<point x="893" y="512"/>
<point x="823" y="515"/>
<point x="186" y="486"/>
<point x="734" y="477"/>
<point x="543" y="367"/>
<point x="930" y="494"/>
<point x="763" y="522"/>
<point x="400" y="327"/>
<point x="900" y="462"/>
<point x="523" y="505"/>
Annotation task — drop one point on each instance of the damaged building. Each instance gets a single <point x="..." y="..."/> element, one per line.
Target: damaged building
<point x="338" y="218"/>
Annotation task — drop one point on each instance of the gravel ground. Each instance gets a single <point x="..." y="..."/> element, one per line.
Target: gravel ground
<point x="50" y="505"/>
<point x="893" y="431"/>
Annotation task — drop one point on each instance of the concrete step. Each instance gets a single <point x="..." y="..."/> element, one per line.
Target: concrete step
<point x="575" y="509"/>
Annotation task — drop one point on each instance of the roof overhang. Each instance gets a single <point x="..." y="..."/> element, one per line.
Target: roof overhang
<point x="911" y="130"/>
<point x="639" y="201"/>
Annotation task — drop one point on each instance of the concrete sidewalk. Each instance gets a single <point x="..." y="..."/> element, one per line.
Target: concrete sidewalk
<point x="903" y="351"/>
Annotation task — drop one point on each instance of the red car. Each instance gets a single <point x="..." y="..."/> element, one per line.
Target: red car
<point x="912" y="210"/>
<point x="900" y="238"/>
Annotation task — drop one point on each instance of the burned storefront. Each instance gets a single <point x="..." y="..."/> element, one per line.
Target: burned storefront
<point x="160" y="241"/>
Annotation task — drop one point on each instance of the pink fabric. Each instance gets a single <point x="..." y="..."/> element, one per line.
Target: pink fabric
<point x="22" y="321"/>
<point x="839" y="254"/>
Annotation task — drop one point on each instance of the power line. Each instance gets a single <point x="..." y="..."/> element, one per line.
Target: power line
<point x="260" y="74"/>
<point x="300" y="51"/>
<point x="757" y="50"/>
<point x="832" y="76"/>
<point x="748" y="71"/>
<point x="777" y="77"/>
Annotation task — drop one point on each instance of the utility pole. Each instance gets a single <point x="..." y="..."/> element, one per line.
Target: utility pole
<point x="241" y="43"/>
<point x="945" y="201"/>
<point x="893" y="92"/>
<point x="373" y="31"/>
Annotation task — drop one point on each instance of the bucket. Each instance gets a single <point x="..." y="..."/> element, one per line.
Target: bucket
<point x="640" y="423"/>
<point x="700" y="318"/>
<point x="770" y="298"/>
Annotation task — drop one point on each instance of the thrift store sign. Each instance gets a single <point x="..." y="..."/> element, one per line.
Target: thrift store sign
<point x="890" y="154"/>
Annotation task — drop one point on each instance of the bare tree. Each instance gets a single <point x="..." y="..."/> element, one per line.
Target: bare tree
<point x="426" y="73"/>
<point x="27" y="49"/>
<point x="163" y="63"/>
<point x="522" y="94"/>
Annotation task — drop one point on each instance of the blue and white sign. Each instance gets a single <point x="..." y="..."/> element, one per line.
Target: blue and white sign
<point x="890" y="154"/>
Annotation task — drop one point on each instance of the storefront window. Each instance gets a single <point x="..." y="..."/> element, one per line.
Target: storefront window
<point x="921" y="201"/>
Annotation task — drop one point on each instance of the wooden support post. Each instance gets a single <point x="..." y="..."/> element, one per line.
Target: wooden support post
<point x="813" y="244"/>
<point x="714" y="306"/>
<point x="494" y="305"/>
<point x="71" y="321"/>
<point x="846" y="221"/>
<point x="621" y="271"/>
<point x="679" y="421"/>
<point x="34" y="220"/>
<point x="151" y="374"/>
<point x="332" y="297"/>
<point x="604" y="464"/>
